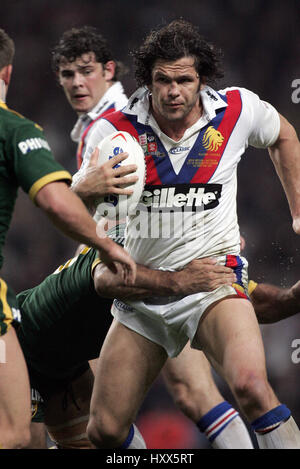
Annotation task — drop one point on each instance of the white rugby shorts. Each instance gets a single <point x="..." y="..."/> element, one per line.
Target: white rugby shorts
<point x="171" y="322"/>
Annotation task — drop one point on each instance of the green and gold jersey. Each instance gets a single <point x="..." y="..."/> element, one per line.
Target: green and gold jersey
<point x="64" y="321"/>
<point x="68" y="289"/>
<point x="26" y="161"/>
<point x="44" y="305"/>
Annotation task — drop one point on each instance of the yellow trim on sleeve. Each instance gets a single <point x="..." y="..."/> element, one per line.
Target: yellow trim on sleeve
<point x="251" y="286"/>
<point x="55" y="176"/>
<point x="8" y="316"/>
<point x="94" y="265"/>
<point x="2" y="104"/>
<point x="84" y="250"/>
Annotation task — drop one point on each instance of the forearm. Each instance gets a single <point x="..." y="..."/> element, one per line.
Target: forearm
<point x="148" y="283"/>
<point x="158" y="282"/>
<point x="68" y="213"/>
<point x="200" y="275"/>
<point x="273" y="304"/>
<point x="285" y="154"/>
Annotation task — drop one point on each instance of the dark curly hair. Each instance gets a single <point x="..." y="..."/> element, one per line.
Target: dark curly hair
<point x="7" y="49"/>
<point x="78" y="41"/>
<point x="172" y="42"/>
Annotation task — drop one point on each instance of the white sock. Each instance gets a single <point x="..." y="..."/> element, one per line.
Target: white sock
<point x="234" y="436"/>
<point x="134" y="439"/>
<point x="285" y="436"/>
<point x="224" y="428"/>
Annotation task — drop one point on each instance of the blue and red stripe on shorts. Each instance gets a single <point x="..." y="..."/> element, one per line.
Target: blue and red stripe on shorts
<point x="236" y="263"/>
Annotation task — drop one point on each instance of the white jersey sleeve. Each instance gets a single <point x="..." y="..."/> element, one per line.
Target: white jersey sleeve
<point x="101" y="129"/>
<point x="263" y="119"/>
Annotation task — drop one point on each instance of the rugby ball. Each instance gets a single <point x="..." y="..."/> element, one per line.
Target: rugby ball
<point x="119" y="206"/>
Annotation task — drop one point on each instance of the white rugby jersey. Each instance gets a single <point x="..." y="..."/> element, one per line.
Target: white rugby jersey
<point x="188" y="207"/>
<point x="112" y="100"/>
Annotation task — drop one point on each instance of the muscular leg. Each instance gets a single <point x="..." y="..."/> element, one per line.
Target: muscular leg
<point x="15" y="408"/>
<point x="67" y="413"/>
<point x="127" y="366"/>
<point x="231" y="339"/>
<point x="189" y="380"/>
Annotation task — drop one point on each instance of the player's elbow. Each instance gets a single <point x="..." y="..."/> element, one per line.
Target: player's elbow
<point x="287" y="133"/>
<point x="102" y="282"/>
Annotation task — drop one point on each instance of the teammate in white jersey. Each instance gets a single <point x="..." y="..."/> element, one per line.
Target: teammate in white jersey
<point x="175" y="64"/>
<point x="89" y="76"/>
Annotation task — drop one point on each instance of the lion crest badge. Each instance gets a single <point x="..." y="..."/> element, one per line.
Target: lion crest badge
<point x="212" y="139"/>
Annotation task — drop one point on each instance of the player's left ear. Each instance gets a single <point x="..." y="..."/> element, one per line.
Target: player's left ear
<point x="109" y="70"/>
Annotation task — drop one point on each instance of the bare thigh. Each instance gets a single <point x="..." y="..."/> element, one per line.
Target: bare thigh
<point x="127" y="366"/>
<point x="230" y="336"/>
<point x="231" y="339"/>
<point x="15" y="402"/>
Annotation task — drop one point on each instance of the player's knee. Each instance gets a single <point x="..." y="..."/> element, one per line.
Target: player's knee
<point x="106" y="433"/>
<point x="251" y="389"/>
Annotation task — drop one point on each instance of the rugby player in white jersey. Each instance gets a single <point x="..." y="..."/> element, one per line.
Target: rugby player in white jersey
<point x="212" y="130"/>
<point x="85" y="68"/>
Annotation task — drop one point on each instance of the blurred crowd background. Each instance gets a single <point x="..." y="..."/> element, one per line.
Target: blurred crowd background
<point x="260" y="40"/>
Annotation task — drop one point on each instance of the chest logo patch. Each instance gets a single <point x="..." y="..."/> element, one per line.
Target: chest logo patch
<point x="212" y="139"/>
